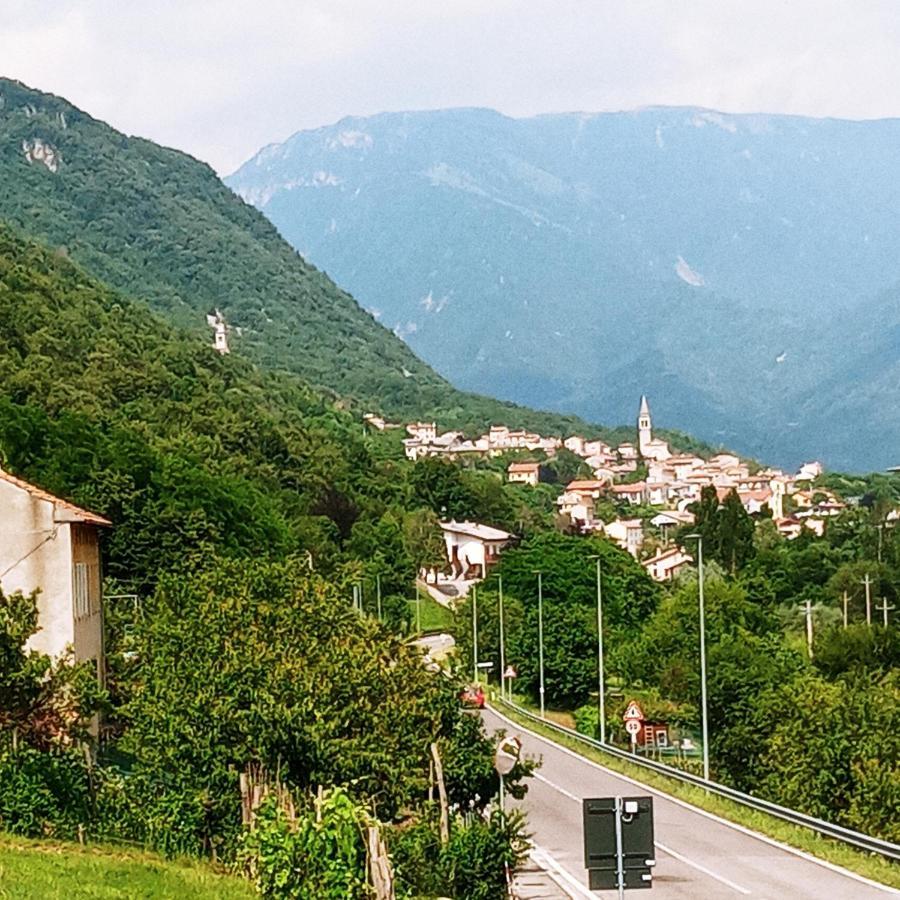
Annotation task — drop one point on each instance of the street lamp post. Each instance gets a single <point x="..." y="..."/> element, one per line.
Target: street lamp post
<point x="502" y="647"/>
<point x="541" y="638"/>
<point x="418" y="608"/>
<point x="704" y="709"/>
<point x="601" y="688"/>
<point x="474" y="634"/>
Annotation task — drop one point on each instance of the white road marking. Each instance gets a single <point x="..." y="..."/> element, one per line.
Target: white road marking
<point x="702" y="812"/>
<point x="556" y="787"/>
<point x="688" y="862"/>
<point x="699" y="868"/>
<point x="561" y="876"/>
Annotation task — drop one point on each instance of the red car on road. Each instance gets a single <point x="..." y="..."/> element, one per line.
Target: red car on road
<point x="472" y="696"/>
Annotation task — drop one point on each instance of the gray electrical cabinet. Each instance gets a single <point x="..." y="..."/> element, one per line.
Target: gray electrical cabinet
<point x="618" y="843"/>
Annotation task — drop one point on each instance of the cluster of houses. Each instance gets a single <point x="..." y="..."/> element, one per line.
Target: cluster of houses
<point x="642" y="474"/>
<point x="424" y="440"/>
<point x="51" y="545"/>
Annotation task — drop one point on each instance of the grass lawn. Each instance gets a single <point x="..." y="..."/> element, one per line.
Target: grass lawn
<point x="871" y="866"/>
<point x="435" y="618"/>
<point x="49" y="870"/>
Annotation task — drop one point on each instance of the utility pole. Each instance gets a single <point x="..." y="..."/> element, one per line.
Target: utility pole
<point x="867" y="581"/>
<point x="885" y="609"/>
<point x="502" y="646"/>
<point x="474" y="634"/>
<point x="601" y="688"/>
<point x="846" y="601"/>
<point x="541" y="638"/>
<point x="809" y="626"/>
<point x="378" y="594"/>
<point x="418" y="607"/>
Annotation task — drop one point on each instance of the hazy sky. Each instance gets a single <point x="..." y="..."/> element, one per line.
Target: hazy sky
<point x="221" y="78"/>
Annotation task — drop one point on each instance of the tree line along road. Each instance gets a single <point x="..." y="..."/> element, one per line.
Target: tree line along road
<point x="698" y="855"/>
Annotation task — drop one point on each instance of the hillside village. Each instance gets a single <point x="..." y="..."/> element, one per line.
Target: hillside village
<point x="647" y="473"/>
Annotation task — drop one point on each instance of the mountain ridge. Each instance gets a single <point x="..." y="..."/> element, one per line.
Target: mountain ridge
<point x="541" y="254"/>
<point x="151" y="212"/>
<point x="160" y="226"/>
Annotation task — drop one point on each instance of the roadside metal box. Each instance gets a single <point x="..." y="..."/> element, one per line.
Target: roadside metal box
<point x="600" y="851"/>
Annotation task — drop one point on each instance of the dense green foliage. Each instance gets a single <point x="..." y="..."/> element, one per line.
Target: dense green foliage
<point x="815" y="733"/>
<point x="320" y="854"/>
<point x="726" y="528"/>
<point x="245" y="507"/>
<point x="160" y="226"/>
<point x="569" y="587"/>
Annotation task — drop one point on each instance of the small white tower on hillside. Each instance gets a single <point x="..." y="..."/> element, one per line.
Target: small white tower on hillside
<point x="645" y="428"/>
<point x="216" y="321"/>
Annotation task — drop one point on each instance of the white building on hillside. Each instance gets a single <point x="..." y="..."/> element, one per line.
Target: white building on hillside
<point x="627" y="533"/>
<point x="216" y="321"/>
<point x="524" y="473"/>
<point x="473" y="548"/>
<point x="666" y="564"/>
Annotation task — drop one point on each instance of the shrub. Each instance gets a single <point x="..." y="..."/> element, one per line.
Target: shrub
<point x="319" y="855"/>
<point x="44" y="794"/>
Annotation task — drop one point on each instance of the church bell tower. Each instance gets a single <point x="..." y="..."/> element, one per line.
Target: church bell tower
<point x="645" y="428"/>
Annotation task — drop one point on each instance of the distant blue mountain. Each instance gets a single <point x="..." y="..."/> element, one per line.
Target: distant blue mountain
<point x="742" y="270"/>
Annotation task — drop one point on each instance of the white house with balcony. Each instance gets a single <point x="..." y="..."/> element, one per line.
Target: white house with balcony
<point x="473" y="548"/>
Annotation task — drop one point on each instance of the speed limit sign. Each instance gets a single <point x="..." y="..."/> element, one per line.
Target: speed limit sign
<point x="633" y="727"/>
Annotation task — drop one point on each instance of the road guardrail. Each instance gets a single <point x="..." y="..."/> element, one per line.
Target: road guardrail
<point x="848" y="836"/>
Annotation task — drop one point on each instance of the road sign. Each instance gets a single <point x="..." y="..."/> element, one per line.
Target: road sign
<point x="633" y="727"/>
<point x="618" y="843"/>
<point x="633" y="711"/>
<point x="510" y="672"/>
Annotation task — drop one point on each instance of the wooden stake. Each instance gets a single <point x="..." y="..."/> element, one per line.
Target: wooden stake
<point x="442" y="794"/>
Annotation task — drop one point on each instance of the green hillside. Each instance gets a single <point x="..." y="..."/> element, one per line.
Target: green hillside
<point x="245" y="508"/>
<point x="189" y="452"/>
<point x="160" y="226"/>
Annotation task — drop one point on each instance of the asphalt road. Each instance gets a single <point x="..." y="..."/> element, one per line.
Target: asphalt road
<point x="699" y="857"/>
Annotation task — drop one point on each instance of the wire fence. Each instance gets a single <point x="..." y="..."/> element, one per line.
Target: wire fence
<point x="856" y="839"/>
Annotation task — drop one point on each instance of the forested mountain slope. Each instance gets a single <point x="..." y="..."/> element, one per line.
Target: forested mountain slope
<point x="185" y="450"/>
<point x="192" y="454"/>
<point x="160" y="226"/>
<point x="739" y="269"/>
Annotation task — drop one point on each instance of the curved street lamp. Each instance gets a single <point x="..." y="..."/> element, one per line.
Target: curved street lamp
<point x="704" y="706"/>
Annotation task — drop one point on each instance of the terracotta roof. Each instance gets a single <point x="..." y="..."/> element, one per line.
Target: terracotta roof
<point x="523" y="467"/>
<point x="638" y="486"/>
<point x="667" y="554"/>
<point x="74" y="513"/>
<point x="585" y="485"/>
